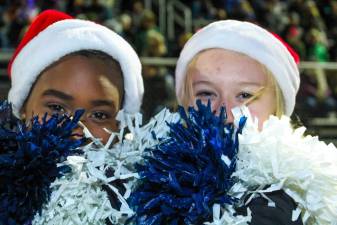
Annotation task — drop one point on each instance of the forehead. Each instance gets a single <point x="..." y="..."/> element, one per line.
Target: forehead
<point x="73" y="68"/>
<point x="214" y="63"/>
<point x="77" y="75"/>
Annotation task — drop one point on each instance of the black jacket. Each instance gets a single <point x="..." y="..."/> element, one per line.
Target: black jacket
<point x="262" y="214"/>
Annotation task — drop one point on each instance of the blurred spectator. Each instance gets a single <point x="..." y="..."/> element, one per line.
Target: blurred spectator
<point x="155" y="44"/>
<point x="137" y="13"/>
<point x="74" y="7"/>
<point x="157" y="81"/>
<point x="318" y="49"/>
<point x="245" y="11"/>
<point x="299" y="6"/>
<point x="238" y="9"/>
<point x="293" y="34"/>
<point x="148" y="24"/>
<point x="221" y="14"/>
<point x="314" y="18"/>
<point x="15" y="19"/>
<point x="127" y="31"/>
<point x="50" y="4"/>
<point x="316" y="93"/>
<point x="123" y="25"/>
<point x="315" y="98"/>
<point x="292" y="19"/>
<point x="230" y="5"/>
<point x="202" y="9"/>
<point x="275" y="16"/>
<point x="95" y="11"/>
<point x="329" y="12"/>
<point x="182" y="39"/>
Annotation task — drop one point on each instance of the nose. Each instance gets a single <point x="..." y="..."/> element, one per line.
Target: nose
<point x="78" y="130"/>
<point x="230" y="117"/>
<point x="228" y="105"/>
<point x="89" y="130"/>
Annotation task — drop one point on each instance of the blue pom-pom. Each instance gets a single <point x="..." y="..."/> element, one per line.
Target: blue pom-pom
<point x="28" y="161"/>
<point x="184" y="176"/>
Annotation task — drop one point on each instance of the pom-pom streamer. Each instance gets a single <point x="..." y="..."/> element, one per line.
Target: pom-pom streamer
<point x="28" y="161"/>
<point x="185" y="175"/>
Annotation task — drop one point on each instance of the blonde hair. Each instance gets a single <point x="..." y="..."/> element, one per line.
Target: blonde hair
<point x="186" y="92"/>
<point x="279" y="111"/>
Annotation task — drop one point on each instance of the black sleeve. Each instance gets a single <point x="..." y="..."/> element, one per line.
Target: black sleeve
<point x="262" y="214"/>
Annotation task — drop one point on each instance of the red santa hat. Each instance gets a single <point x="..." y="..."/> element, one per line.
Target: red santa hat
<point x="53" y="35"/>
<point x="249" y="39"/>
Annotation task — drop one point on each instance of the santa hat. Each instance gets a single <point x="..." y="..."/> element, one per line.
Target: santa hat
<point x="53" y="35"/>
<point x="251" y="40"/>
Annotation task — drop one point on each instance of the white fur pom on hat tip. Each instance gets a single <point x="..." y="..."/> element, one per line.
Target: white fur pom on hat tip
<point x="253" y="41"/>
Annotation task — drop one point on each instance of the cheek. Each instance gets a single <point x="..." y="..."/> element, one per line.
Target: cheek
<point x="32" y="108"/>
<point x="216" y="105"/>
<point x="111" y="90"/>
<point x="259" y="113"/>
<point x="264" y="106"/>
<point x="102" y="134"/>
<point x="262" y="111"/>
<point x="98" y="131"/>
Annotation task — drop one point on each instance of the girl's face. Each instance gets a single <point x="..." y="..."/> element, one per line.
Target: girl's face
<point x="78" y="82"/>
<point x="231" y="79"/>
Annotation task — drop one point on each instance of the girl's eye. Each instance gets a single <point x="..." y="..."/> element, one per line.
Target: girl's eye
<point x="244" y="95"/>
<point x="100" y="116"/>
<point x="205" y="94"/>
<point x="56" y="108"/>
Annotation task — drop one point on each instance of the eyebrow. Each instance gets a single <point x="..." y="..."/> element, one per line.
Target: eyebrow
<point x="66" y="97"/>
<point x="240" y="82"/>
<point x="58" y="94"/>
<point x="102" y="103"/>
<point x="201" y="82"/>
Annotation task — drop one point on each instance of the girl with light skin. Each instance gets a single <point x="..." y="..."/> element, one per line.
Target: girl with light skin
<point x="238" y="73"/>
<point x="232" y="63"/>
<point x="231" y="79"/>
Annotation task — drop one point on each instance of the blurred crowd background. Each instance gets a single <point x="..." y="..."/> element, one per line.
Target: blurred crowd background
<point x="309" y="26"/>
